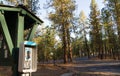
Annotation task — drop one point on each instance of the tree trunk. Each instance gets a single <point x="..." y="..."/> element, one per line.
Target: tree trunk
<point x="87" y="48"/>
<point x="64" y="43"/>
<point x="86" y="45"/>
<point x="69" y="45"/>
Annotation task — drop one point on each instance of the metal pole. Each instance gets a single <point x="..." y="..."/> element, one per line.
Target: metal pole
<point x="30" y="74"/>
<point x="26" y="74"/>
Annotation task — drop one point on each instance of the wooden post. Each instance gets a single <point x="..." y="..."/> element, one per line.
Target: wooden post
<point x="32" y="31"/>
<point x="20" y="38"/>
<point x="6" y="31"/>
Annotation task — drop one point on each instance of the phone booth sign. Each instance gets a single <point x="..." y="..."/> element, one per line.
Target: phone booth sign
<point x="27" y="57"/>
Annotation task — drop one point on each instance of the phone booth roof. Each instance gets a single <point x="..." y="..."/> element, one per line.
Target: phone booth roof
<point x="11" y="12"/>
<point x="14" y="20"/>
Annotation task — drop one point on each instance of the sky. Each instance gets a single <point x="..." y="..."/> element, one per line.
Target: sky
<point x="85" y="6"/>
<point x="81" y="5"/>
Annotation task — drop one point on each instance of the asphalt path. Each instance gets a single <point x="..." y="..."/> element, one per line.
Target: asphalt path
<point x="83" y="67"/>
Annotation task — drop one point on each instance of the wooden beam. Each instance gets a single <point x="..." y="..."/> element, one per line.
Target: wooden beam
<point x="19" y="9"/>
<point x="6" y="32"/>
<point x="20" y="29"/>
<point x="5" y="8"/>
<point x="32" y="32"/>
<point x="32" y="16"/>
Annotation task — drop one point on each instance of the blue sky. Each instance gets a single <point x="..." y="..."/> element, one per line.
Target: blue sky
<point x="81" y="5"/>
<point x="85" y="5"/>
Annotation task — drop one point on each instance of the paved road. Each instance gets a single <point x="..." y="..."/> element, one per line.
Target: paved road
<point x="67" y="74"/>
<point x="94" y="67"/>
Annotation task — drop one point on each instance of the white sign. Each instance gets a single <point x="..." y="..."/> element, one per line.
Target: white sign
<point x="28" y="58"/>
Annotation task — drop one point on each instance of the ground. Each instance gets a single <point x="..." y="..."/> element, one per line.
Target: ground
<point x="50" y="70"/>
<point x="80" y="67"/>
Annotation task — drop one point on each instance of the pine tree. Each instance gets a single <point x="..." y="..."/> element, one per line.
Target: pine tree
<point x="113" y="7"/>
<point x="109" y="35"/>
<point x="35" y="6"/>
<point x="95" y="33"/>
<point x="83" y="22"/>
<point x="62" y="17"/>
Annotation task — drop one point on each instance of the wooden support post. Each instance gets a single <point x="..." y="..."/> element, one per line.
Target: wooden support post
<point x="20" y="38"/>
<point x="32" y="32"/>
<point x="20" y="29"/>
<point x="6" y="31"/>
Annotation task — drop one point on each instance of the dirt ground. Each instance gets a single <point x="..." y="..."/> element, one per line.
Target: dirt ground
<point x="50" y="70"/>
<point x="78" y="68"/>
<point x="5" y="71"/>
<point x="43" y="70"/>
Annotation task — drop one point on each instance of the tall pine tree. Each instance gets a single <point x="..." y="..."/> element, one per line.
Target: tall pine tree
<point x="95" y="33"/>
<point x="83" y="22"/>
<point x="113" y="7"/>
<point x="62" y="16"/>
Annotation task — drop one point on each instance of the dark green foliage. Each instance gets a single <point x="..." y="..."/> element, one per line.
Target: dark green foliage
<point x="95" y="33"/>
<point x="61" y="17"/>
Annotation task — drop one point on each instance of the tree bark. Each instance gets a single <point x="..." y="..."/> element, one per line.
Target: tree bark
<point x="69" y="45"/>
<point x="64" y="44"/>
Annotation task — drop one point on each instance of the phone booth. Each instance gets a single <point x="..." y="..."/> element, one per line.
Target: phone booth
<point x="27" y="57"/>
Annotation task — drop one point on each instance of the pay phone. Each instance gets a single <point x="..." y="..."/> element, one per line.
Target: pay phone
<point x="27" y="57"/>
